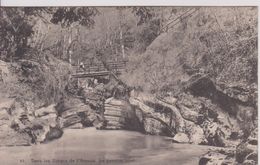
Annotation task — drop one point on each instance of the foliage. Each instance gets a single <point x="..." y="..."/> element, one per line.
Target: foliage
<point x="17" y="25"/>
<point x="144" y="14"/>
<point x="41" y="82"/>
<point x="68" y="15"/>
<point x="15" y="29"/>
<point x="211" y="43"/>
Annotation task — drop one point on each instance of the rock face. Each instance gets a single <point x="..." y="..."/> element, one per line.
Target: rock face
<point x="26" y="86"/>
<point x="45" y="121"/>
<point x="155" y="123"/>
<point x="115" y="113"/>
<point x="119" y="114"/>
<point x="22" y="125"/>
<point x="199" y="118"/>
<point x="74" y="113"/>
<point x="162" y="118"/>
<point x="8" y="136"/>
<point x="246" y="151"/>
<point x="218" y="157"/>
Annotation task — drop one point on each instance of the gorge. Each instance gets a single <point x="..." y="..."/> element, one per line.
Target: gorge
<point x="155" y="86"/>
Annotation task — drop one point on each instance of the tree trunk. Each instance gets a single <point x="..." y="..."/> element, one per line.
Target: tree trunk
<point x="121" y="33"/>
<point x="70" y="40"/>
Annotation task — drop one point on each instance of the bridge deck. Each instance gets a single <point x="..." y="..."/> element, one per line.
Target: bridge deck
<point x="93" y="74"/>
<point x="91" y="70"/>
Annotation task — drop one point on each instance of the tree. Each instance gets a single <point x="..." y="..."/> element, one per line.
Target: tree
<point x="65" y="16"/>
<point x="68" y="15"/>
<point x="15" y="28"/>
<point x="16" y="25"/>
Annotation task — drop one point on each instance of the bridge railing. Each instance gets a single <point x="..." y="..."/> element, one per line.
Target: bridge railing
<point x="99" y="67"/>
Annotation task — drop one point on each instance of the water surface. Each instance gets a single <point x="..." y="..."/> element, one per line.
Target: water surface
<point x="95" y="147"/>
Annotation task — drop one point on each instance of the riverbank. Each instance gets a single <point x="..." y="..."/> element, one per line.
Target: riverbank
<point x="97" y="147"/>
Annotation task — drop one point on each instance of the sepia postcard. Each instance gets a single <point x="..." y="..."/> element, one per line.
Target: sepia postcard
<point x="128" y="85"/>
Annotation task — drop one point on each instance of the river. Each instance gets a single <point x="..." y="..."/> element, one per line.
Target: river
<point x="95" y="147"/>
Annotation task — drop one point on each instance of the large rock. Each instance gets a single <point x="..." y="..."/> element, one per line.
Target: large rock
<point x="45" y="111"/>
<point x="195" y="133"/>
<point x="76" y="126"/>
<point x="54" y="133"/>
<point x="214" y="135"/>
<point x="46" y="118"/>
<point x="181" y="138"/>
<point x="154" y="127"/>
<point x="189" y="114"/>
<point x="70" y="120"/>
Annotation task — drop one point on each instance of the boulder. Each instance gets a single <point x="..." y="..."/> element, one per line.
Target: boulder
<point x="50" y="119"/>
<point x="45" y="111"/>
<point x="253" y="137"/>
<point x="195" y="133"/>
<point x="249" y="162"/>
<point x="252" y="156"/>
<point x="246" y="152"/>
<point x="153" y="126"/>
<point x="76" y="126"/>
<point x="170" y="100"/>
<point x="181" y="138"/>
<point x="41" y="126"/>
<point x="68" y="121"/>
<point x="189" y="114"/>
<point x="54" y="133"/>
<point x="4" y="115"/>
<point x="189" y="101"/>
<point x="41" y="133"/>
<point x="216" y="158"/>
<point x="214" y="135"/>
<point x="76" y="109"/>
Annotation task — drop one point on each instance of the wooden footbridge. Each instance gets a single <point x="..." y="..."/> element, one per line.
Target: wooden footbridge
<point x="98" y="69"/>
